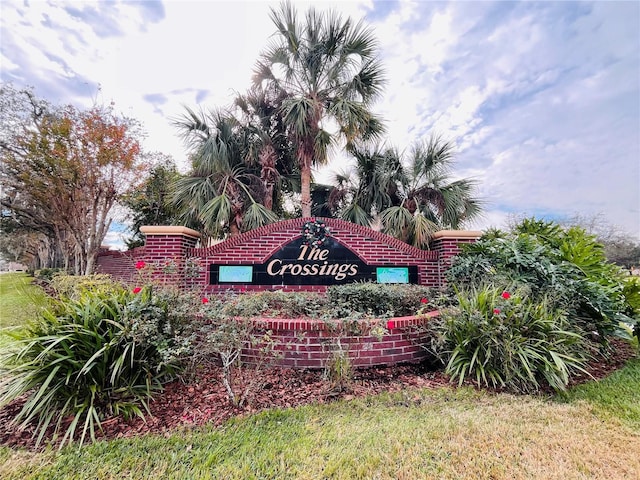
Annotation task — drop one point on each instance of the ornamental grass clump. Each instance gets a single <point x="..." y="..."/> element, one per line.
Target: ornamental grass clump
<point x="83" y="360"/>
<point x="505" y="340"/>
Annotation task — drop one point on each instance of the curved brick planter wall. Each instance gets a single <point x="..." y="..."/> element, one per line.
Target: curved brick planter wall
<point x="309" y="343"/>
<point x="173" y="258"/>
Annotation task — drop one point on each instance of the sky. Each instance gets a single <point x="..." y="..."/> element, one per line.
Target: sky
<point x="541" y="98"/>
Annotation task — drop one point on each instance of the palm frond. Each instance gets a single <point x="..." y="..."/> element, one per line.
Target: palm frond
<point x="396" y="221"/>
<point x="356" y="214"/>
<point x="421" y="231"/>
<point x="256" y="215"/>
<point x="216" y="214"/>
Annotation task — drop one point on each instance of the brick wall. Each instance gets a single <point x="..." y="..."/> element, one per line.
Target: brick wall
<point x="175" y="259"/>
<point x="310" y="343"/>
<point x="120" y="265"/>
<point x="446" y="243"/>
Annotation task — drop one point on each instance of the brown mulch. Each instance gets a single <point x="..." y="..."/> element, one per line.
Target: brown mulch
<point x="203" y="399"/>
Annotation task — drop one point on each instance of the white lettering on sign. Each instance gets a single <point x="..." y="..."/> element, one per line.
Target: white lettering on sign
<point x="339" y="271"/>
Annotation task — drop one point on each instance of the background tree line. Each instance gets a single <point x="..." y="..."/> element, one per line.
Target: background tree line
<point x="249" y="163"/>
<point x="62" y="171"/>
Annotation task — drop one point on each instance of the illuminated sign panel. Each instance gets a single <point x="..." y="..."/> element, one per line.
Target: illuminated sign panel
<point x="235" y="274"/>
<point x="392" y="275"/>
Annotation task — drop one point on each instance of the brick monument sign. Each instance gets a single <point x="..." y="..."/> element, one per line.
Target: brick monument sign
<point x="279" y="256"/>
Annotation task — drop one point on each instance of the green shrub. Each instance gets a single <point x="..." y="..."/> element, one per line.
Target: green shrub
<point x="74" y="286"/>
<point x="277" y="303"/>
<point x="565" y="267"/>
<point x="46" y="274"/>
<point x="378" y="299"/>
<point x="83" y="360"/>
<point x="340" y="301"/>
<point x="507" y="340"/>
<point x="631" y="292"/>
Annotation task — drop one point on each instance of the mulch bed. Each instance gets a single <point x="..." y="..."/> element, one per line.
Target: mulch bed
<point x="203" y="399"/>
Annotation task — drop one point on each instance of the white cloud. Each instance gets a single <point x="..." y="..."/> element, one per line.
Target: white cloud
<point x="542" y="98"/>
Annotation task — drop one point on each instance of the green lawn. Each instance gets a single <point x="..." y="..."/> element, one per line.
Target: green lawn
<point x="446" y="433"/>
<point x="615" y="399"/>
<point x="19" y="299"/>
<point x="443" y="433"/>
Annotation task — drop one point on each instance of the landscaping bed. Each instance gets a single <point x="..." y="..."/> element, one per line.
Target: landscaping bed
<point x="202" y="399"/>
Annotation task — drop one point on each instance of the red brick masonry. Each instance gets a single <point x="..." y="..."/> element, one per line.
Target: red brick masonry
<point x="310" y="343"/>
<point x="173" y="254"/>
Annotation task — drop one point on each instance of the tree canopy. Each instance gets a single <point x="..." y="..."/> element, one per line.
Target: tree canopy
<point x="63" y="170"/>
<point x="411" y="193"/>
<point x="152" y="204"/>
<point x="313" y="91"/>
<point x="328" y="70"/>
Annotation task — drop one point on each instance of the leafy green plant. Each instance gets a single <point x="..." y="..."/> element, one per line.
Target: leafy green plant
<point x="567" y="268"/>
<point x="284" y="304"/>
<point x="82" y="360"/>
<point x="500" y="339"/>
<point x="339" y="369"/>
<point x="631" y="292"/>
<point x="46" y="274"/>
<point x="378" y="299"/>
<point x="74" y="286"/>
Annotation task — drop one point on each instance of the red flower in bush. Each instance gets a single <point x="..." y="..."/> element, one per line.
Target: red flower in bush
<point x="424" y="300"/>
<point x="506" y="295"/>
<point x="391" y="325"/>
<point x="496" y="311"/>
<point x="140" y="265"/>
<point x="205" y="300"/>
<point x="137" y="290"/>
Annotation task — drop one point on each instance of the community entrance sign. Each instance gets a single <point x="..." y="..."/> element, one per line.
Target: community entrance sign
<point x="291" y="255"/>
<point x="297" y="263"/>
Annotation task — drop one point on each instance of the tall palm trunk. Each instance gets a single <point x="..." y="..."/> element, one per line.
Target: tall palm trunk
<point x="268" y="174"/>
<point x="305" y="157"/>
<point x="305" y="189"/>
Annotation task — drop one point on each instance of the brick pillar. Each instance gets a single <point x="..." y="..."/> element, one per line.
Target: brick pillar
<point x="447" y="244"/>
<point x="166" y="251"/>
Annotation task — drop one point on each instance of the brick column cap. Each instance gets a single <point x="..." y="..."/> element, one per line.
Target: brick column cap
<point x="444" y="234"/>
<point x="169" y="230"/>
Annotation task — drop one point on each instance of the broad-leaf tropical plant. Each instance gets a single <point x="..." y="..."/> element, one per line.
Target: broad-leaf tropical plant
<point x="329" y="69"/>
<point x="84" y="360"/>
<point x="567" y="267"/>
<point x="507" y="340"/>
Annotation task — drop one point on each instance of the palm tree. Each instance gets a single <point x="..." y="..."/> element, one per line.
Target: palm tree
<point x="414" y="196"/>
<point x="360" y="195"/>
<point x="330" y="73"/>
<point x="265" y="143"/>
<point x="219" y="194"/>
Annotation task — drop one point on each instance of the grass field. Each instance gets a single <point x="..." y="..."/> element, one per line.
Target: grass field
<point x="19" y="299"/>
<point x="446" y="433"/>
